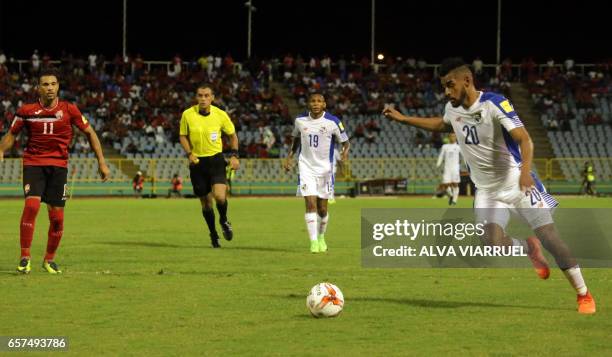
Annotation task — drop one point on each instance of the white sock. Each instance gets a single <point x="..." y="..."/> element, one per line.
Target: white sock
<point x="520" y="243"/>
<point x="455" y="194"/>
<point x="575" y="278"/>
<point x="323" y="223"/>
<point x="311" y="225"/>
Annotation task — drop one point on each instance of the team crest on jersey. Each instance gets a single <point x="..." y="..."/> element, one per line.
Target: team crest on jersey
<point x="59" y="114"/>
<point x="26" y="188"/>
<point x="506" y="106"/>
<point x="323" y="130"/>
<point x="477" y="116"/>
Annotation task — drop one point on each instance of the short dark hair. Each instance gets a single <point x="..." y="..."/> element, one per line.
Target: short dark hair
<point x="316" y="93"/>
<point x="450" y="64"/>
<point x="206" y="85"/>
<point x="50" y="71"/>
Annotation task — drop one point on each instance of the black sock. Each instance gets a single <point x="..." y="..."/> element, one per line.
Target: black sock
<point x="209" y="216"/>
<point x="222" y="208"/>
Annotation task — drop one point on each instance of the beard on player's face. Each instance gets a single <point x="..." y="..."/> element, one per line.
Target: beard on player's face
<point x="458" y="101"/>
<point x="48" y="95"/>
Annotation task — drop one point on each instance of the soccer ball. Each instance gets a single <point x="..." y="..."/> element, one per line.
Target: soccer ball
<point x="325" y="300"/>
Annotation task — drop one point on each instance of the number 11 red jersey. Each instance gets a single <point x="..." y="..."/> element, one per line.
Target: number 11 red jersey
<point x="49" y="131"/>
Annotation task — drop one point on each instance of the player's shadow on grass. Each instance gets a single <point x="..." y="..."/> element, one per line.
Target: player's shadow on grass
<point x="151" y="244"/>
<point x="261" y="249"/>
<point x="446" y="304"/>
<point x="438" y="304"/>
<point x="203" y="245"/>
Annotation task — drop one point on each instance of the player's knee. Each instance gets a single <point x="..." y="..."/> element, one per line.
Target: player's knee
<point x="56" y="220"/>
<point x="206" y="202"/>
<point x="493" y="234"/>
<point x="31" y="207"/>
<point x="322" y="211"/>
<point x="311" y="206"/>
<point x="220" y="198"/>
<point x="547" y="234"/>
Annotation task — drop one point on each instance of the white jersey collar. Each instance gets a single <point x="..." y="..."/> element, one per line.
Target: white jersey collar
<point x="476" y="103"/>
<point x="311" y="118"/>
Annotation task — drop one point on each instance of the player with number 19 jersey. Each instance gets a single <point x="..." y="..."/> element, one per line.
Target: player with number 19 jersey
<point x="317" y="143"/>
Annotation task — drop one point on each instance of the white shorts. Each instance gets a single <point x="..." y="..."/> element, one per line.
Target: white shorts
<point x="320" y="186"/>
<point x="536" y="209"/>
<point x="451" y="176"/>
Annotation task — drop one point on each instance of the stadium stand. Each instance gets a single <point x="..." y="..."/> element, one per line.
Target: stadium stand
<point x="135" y="107"/>
<point x="576" y="110"/>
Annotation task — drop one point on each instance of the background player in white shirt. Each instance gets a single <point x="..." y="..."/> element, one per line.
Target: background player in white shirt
<point x="450" y="154"/>
<point x="314" y="133"/>
<point x="498" y="152"/>
<point x="337" y="162"/>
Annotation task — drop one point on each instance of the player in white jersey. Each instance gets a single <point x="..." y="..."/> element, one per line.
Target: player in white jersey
<point x="315" y="134"/>
<point x="337" y="162"/>
<point x="450" y="154"/>
<point x="499" y="152"/>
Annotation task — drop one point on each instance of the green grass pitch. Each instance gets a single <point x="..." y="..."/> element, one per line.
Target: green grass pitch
<point x="140" y="278"/>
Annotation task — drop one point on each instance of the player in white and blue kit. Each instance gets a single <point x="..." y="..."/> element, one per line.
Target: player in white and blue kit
<point x="315" y="134"/>
<point x="450" y="154"/>
<point x="498" y="152"/>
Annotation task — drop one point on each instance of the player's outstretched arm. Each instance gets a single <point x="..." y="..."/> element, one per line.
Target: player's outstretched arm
<point x="431" y="124"/>
<point x="6" y="143"/>
<point x="295" y="145"/>
<point x="94" y="142"/>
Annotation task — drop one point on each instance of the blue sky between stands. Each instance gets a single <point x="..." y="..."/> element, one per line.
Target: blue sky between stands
<point x="431" y="29"/>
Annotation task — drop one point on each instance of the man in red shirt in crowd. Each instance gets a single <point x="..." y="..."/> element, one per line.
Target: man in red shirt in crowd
<point x="138" y="184"/>
<point x="48" y="124"/>
<point x="177" y="186"/>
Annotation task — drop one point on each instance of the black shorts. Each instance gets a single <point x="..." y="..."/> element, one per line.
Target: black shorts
<point x="209" y="171"/>
<point x="47" y="182"/>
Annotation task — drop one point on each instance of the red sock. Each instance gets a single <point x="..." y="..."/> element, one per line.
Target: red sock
<point x="28" y="220"/>
<point x="56" y="229"/>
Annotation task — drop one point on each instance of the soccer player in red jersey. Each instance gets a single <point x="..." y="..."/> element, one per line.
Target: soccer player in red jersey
<point x="48" y="124"/>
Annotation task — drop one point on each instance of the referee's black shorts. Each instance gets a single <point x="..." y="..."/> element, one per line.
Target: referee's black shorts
<point x="208" y="172"/>
<point x="46" y="182"/>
